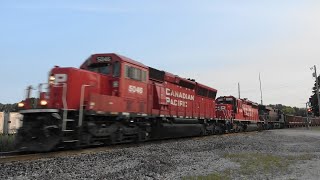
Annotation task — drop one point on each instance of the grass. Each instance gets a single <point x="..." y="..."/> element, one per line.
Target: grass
<point x="225" y="175"/>
<point x="7" y="142"/>
<point x="317" y="128"/>
<point x="253" y="163"/>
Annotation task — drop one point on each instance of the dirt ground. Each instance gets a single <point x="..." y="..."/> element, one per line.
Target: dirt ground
<point x="276" y="154"/>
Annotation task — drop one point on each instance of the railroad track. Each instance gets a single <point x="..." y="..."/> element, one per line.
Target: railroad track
<point x="16" y="156"/>
<point x="9" y="153"/>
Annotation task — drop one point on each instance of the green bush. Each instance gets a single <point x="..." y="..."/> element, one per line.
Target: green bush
<point x="7" y="142"/>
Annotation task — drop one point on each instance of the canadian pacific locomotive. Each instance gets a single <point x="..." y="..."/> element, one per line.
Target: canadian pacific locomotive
<point x="113" y="99"/>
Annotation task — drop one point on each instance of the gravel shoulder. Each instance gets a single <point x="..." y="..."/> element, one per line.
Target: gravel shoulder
<point x="277" y="154"/>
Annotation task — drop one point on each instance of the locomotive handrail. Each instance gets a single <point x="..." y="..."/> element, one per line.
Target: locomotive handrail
<point x="64" y="102"/>
<point x="83" y="87"/>
<point x="40" y="88"/>
<point x="29" y="91"/>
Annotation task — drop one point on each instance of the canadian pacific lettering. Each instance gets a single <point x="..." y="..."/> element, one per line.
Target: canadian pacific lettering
<point x="181" y="102"/>
<point x="177" y="94"/>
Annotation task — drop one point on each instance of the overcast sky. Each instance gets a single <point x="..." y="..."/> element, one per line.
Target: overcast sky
<point x="218" y="43"/>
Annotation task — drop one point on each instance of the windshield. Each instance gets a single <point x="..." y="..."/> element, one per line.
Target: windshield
<point x="100" y="68"/>
<point x="225" y="101"/>
<point x="116" y="69"/>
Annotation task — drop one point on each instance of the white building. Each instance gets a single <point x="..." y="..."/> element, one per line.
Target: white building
<point x="14" y="122"/>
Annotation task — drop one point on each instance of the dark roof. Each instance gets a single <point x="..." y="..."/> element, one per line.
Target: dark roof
<point x="123" y="58"/>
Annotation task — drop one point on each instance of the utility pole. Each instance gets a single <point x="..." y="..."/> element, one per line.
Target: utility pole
<point x="239" y="90"/>
<point x="307" y="115"/>
<point x="6" y="120"/>
<point x="260" y="89"/>
<point x="317" y="85"/>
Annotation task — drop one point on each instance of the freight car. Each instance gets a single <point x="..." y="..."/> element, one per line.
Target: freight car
<point x="298" y="121"/>
<point x="314" y="121"/>
<point x="295" y="121"/>
<point x="113" y="99"/>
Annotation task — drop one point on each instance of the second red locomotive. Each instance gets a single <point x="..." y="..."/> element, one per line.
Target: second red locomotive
<point x="240" y="114"/>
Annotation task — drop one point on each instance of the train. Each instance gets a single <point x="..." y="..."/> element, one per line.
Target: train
<point x="113" y="99"/>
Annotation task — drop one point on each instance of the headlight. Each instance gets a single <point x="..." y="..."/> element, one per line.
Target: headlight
<point x="51" y="79"/>
<point x="20" y="104"/>
<point x="92" y="104"/>
<point x="43" y="102"/>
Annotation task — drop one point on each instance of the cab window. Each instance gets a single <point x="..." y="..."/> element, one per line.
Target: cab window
<point x="100" y="68"/>
<point x="116" y="69"/>
<point x="135" y="73"/>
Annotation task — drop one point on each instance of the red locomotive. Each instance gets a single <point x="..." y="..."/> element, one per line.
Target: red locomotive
<point x="239" y="113"/>
<point x="114" y="99"/>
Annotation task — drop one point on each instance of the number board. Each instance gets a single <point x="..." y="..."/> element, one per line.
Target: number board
<point x="103" y="59"/>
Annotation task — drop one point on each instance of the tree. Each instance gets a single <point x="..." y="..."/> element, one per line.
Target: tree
<point x="9" y="107"/>
<point x="314" y="100"/>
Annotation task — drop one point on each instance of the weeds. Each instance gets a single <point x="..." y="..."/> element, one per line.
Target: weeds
<point x="216" y="176"/>
<point x="253" y="163"/>
<point x="225" y="175"/>
<point x="7" y="142"/>
<point x="315" y="128"/>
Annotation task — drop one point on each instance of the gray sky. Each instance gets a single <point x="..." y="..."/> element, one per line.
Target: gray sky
<point x="218" y="43"/>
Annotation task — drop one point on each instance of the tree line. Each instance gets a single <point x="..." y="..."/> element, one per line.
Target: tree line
<point x="290" y="110"/>
<point x="9" y="107"/>
<point x="14" y="107"/>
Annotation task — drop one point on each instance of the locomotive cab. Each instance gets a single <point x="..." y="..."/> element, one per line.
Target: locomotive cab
<point x="107" y="66"/>
<point x="226" y="107"/>
<point x="125" y="89"/>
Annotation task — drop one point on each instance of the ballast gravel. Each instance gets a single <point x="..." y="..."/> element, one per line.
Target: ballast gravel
<point x="186" y="158"/>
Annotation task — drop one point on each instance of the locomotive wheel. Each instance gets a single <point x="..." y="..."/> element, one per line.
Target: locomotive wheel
<point x="236" y="128"/>
<point x="210" y="130"/>
<point x="116" y="137"/>
<point x="87" y="139"/>
<point x="241" y="128"/>
<point x="203" y="132"/>
<point x="142" y="136"/>
<point x="219" y="130"/>
<point x="260" y="127"/>
<point x="244" y="127"/>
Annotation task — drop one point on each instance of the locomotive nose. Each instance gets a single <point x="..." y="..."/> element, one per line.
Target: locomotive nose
<point x="40" y="133"/>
